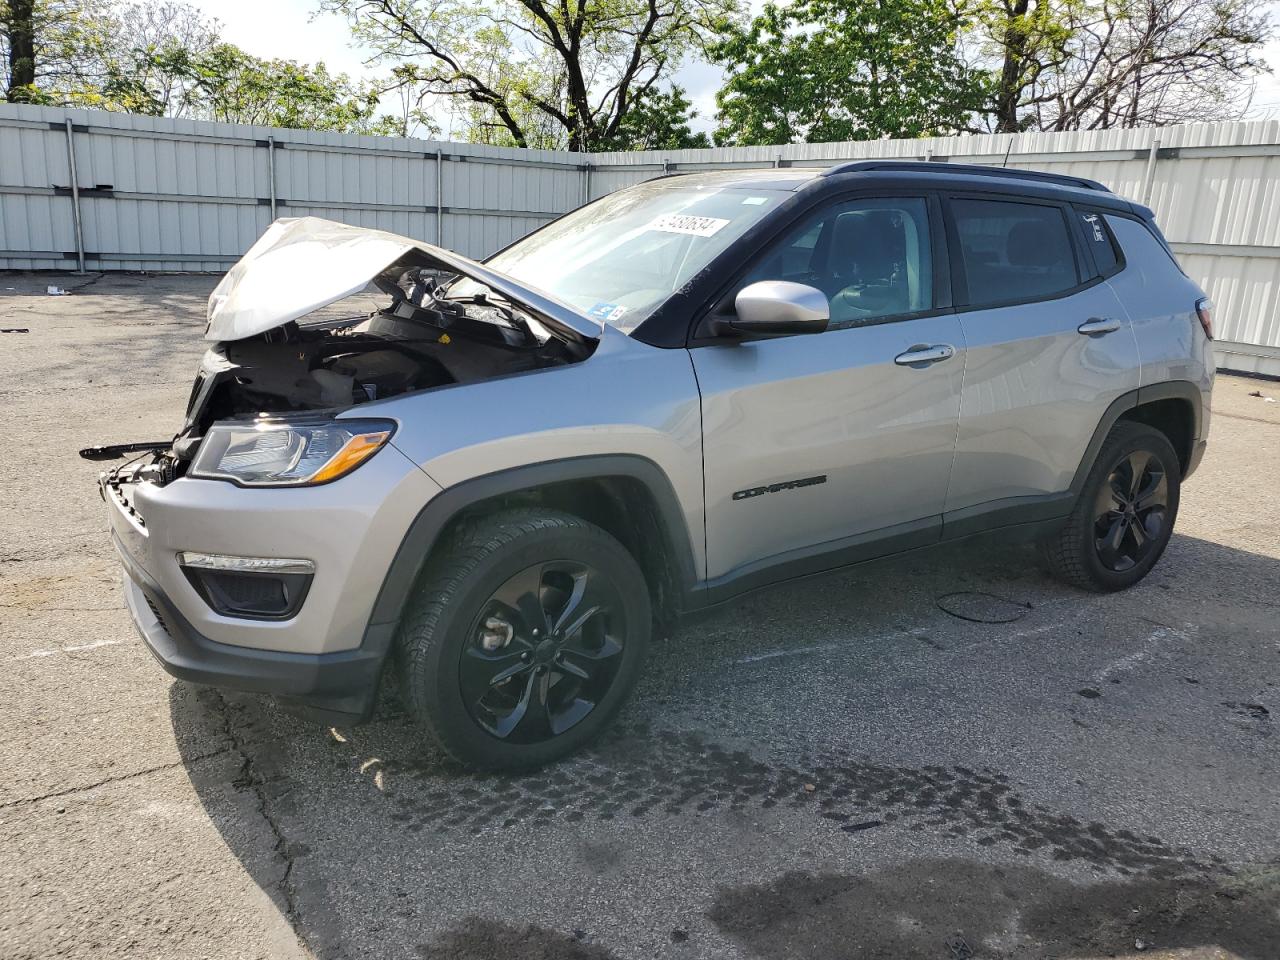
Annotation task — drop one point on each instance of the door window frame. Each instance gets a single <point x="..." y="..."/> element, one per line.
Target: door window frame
<point x="1086" y="273"/>
<point x="719" y="303"/>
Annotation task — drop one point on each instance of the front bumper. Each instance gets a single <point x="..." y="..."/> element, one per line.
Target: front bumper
<point x="327" y="656"/>
<point x="350" y="530"/>
<point x="335" y="687"/>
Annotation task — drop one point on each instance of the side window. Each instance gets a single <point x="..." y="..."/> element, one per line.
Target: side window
<point x="1099" y="241"/>
<point x="872" y="258"/>
<point x="1013" y="251"/>
<point x="1144" y="253"/>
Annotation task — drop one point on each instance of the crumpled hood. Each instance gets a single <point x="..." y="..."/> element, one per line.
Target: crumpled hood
<point x="301" y="264"/>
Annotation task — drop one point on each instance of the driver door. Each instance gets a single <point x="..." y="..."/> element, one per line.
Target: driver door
<point x="825" y="448"/>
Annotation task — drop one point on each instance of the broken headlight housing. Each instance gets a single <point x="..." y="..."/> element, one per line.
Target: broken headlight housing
<point x="293" y="452"/>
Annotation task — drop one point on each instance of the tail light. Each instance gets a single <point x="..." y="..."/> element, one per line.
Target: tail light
<point x="1204" y="310"/>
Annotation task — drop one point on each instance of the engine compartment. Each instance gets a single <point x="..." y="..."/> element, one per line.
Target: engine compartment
<point x="421" y="340"/>
<point x="289" y="341"/>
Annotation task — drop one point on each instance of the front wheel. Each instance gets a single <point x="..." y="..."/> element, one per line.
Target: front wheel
<point x="525" y="638"/>
<point x="1124" y="516"/>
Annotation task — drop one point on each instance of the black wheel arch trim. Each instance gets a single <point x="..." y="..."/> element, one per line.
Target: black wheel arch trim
<point x="1166" y="390"/>
<point x="424" y="533"/>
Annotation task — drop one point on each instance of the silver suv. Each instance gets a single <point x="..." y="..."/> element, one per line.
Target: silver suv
<point x="496" y="486"/>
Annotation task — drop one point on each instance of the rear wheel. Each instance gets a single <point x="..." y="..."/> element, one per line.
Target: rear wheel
<point x="525" y="639"/>
<point x="1124" y="516"/>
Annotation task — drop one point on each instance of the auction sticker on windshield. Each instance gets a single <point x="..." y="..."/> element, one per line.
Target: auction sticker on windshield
<point x="684" y="223"/>
<point x="608" y="312"/>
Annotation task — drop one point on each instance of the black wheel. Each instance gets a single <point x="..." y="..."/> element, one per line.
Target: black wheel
<point x="1124" y="516"/>
<point x="524" y="638"/>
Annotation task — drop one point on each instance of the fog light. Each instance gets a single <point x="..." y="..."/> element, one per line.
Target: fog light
<point x="256" y="588"/>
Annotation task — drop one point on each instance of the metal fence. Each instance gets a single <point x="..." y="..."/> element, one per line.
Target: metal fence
<point x="105" y="191"/>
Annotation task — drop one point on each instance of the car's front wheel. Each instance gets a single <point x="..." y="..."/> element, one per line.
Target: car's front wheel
<point x="1124" y="516"/>
<point x="524" y="639"/>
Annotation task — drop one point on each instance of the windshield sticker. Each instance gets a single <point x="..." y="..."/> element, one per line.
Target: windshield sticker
<point x="683" y="223"/>
<point x="754" y="201"/>
<point x="608" y="312"/>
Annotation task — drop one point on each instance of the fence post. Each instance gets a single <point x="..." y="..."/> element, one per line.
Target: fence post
<point x="1148" y="179"/>
<point x="586" y="183"/>
<point x="439" y="197"/>
<point x="271" y="173"/>
<point x="75" y="198"/>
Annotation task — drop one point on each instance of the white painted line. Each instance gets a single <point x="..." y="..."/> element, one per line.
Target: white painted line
<point x="37" y="654"/>
<point x="911" y="632"/>
<point x="793" y="652"/>
<point x="820" y="647"/>
<point x="1143" y="655"/>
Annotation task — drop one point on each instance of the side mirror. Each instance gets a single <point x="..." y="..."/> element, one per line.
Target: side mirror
<point x="780" y="307"/>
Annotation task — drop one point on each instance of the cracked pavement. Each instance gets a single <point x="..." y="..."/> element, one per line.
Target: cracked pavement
<point x="947" y="755"/>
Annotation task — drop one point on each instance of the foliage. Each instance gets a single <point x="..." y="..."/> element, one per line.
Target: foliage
<point x="658" y="120"/>
<point x="535" y="73"/>
<point x="827" y="70"/>
<point x="98" y="53"/>
<point x="824" y="70"/>
<point x="595" y="74"/>
<point x="166" y="59"/>
<point x="225" y="83"/>
<point x="1093" y="64"/>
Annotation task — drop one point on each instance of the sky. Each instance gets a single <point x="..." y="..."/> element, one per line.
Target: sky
<point x="290" y="30"/>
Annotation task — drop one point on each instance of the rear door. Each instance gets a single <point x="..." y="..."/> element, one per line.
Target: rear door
<point x="819" y="443"/>
<point x="1049" y="347"/>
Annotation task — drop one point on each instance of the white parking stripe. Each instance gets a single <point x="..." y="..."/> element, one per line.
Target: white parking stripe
<point x="36" y="654"/>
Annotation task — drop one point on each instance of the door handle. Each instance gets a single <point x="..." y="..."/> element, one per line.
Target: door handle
<point x="922" y="354"/>
<point x="1096" y="325"/>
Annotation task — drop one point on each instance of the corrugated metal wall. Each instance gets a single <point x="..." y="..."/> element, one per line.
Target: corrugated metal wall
<point x="162" y="194"/>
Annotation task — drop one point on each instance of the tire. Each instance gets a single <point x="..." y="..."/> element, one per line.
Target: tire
<point x="1104" y="545"/>
<point x="572" y="667"/>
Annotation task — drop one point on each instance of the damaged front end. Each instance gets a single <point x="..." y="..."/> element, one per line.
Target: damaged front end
<point x="285" y="352"/>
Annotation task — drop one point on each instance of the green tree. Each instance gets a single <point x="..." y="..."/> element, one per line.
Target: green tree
<point x="225" y="83"/>
<point x="658" y="120"/>
<point x="165" y="58"/>
<point x="826" y="70"/>
<point x="1094" y="64"/>
<point x="18" y="32"/>
<point x="535" y="73"/>
<point x="42" y="49"/>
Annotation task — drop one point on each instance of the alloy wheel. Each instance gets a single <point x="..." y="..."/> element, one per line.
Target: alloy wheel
<point x="1131" y="511"/>
<point x="543" y="651"/>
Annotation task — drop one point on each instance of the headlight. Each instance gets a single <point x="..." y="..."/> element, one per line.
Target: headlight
<point x="288" y="453"/>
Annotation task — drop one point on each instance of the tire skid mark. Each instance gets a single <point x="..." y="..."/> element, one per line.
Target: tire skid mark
<point x="638" y="773"/>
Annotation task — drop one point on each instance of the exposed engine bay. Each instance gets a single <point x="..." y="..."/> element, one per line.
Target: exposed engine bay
<point x="439" y="327"/>
<point x="423" y="339"/>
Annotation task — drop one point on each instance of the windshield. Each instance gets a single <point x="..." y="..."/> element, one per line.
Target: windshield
<point x="617" y="259"/>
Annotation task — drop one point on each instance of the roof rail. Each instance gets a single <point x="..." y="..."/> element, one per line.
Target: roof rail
<point x="964" y="169"/>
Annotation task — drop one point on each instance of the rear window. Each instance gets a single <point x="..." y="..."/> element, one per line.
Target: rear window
<point x="1099" y="241"/>
<point x="1013" y="252"/>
